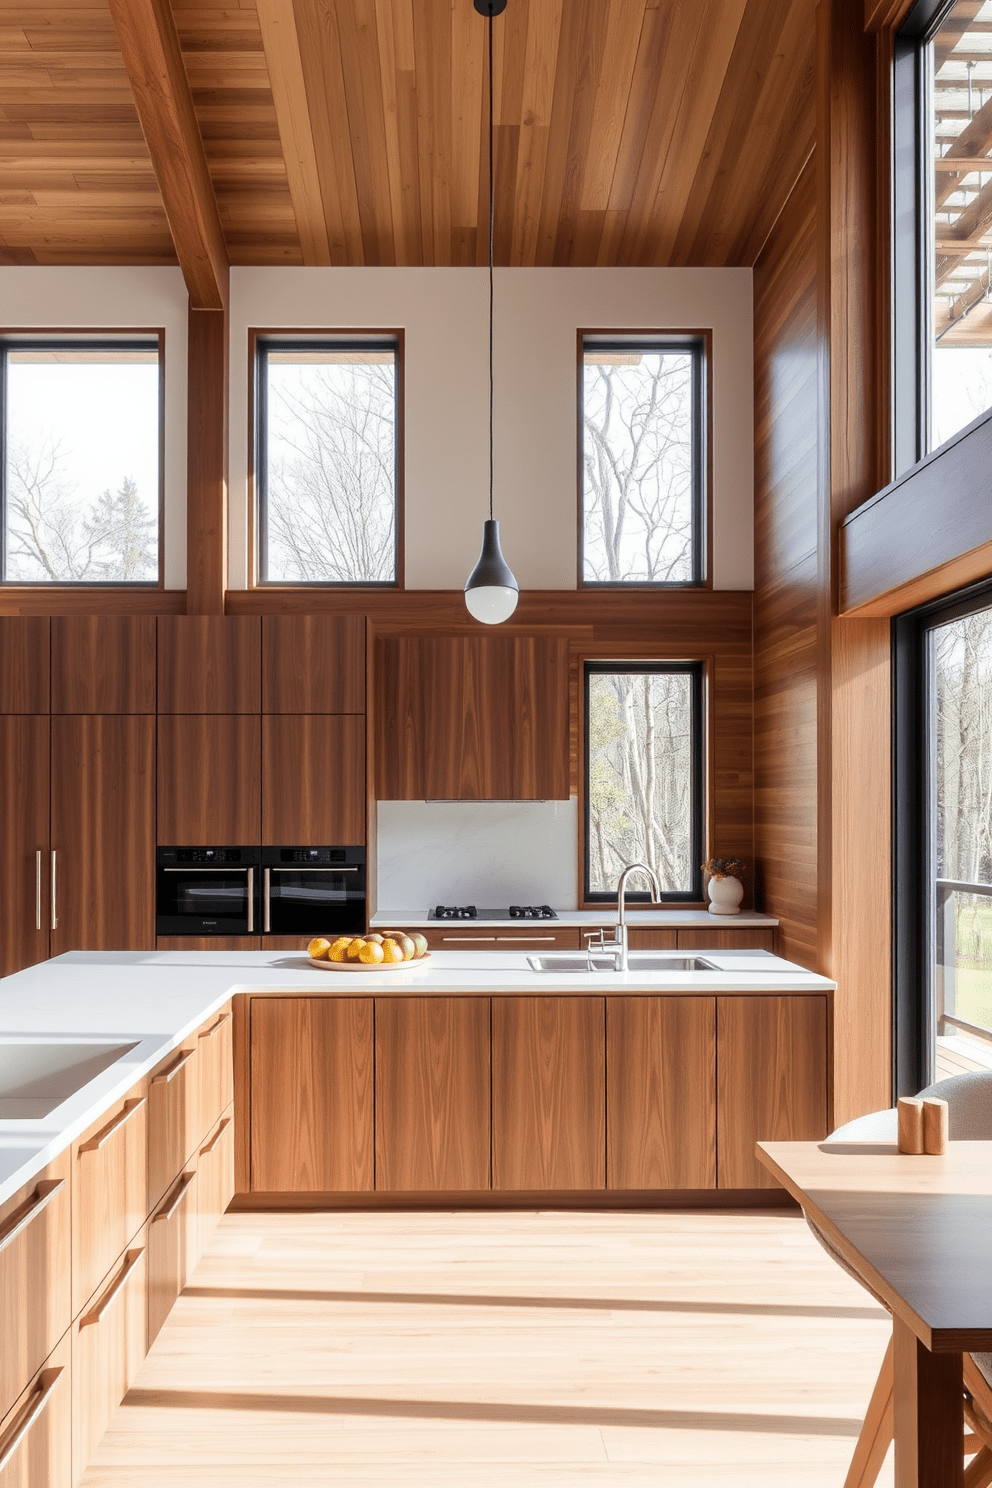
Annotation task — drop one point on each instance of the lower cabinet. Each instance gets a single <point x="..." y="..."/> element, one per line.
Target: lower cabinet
<point x="549" y="1092"/>
<point x="214" y="1178"/>
<point x="173" y="1246"/>
<point x="772" y="1080"/>
<point x="109" y="1192"/>
<point x="432" y="1093"/>
<point x="311" y="1120"/>
<point x="661" y="1085"/>
<point x="35" y="1298"/>
<point x="109" y="1342"/>
<point x="36" y="1433"/>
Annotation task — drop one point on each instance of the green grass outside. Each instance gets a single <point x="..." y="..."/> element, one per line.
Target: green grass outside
<point x="973" y="981"/>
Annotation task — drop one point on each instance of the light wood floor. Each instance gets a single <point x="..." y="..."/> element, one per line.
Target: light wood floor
<point x="486" y="1350"/>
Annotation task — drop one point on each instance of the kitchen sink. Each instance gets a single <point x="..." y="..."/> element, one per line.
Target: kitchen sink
<point x="36" y="1076"/>
<point x="568" y="961"/>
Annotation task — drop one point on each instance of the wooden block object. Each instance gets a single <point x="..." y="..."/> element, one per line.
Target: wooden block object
<point x="935" y="1126"/>
<point x="910" y="1124"/>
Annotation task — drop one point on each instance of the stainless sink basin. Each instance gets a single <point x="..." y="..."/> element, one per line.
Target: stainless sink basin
<point x="37" y="1076"/>
<point x="569" y="961"/>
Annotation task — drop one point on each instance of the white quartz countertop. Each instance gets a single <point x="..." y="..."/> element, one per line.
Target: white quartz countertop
<point x="156" y="999"/>
<point x="669" y="919"/>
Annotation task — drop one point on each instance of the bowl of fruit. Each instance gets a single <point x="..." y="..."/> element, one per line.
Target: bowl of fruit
<point x="393" y="951"/>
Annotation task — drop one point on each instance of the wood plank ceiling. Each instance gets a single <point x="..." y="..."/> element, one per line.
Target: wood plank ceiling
<point x="629" y="132"/>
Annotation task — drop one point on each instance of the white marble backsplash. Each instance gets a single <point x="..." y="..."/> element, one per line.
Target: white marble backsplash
<point x="488" y="853"/>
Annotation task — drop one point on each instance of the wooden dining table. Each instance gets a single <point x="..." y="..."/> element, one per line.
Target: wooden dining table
<point x="918" y="1230"/>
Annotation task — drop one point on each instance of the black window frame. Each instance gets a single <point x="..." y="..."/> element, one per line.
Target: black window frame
<point x="914" y="1034"/>
<point x="266" y="342"/>
<point x="133" y="340"/>
<point x="697" y="345"/>
<point x="697" y="671"/>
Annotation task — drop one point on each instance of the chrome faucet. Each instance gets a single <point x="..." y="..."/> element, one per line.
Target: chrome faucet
<point x="618" y="945"/>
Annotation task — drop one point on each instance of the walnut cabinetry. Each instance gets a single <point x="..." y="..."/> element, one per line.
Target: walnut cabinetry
<point x="25" y="664"/>
<point x="209" y="779"/>
<point x="209" y="664"/>
<point x="24" y="840"/>
<point x="103" y="664"/>
<point x="521" y="935"/>
<point x="472" y="718"/>
<point x="313" y="779"/>
<point x="313" y="664"/>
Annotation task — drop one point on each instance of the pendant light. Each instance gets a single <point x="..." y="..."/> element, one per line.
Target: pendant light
<point x="492" y="592"/>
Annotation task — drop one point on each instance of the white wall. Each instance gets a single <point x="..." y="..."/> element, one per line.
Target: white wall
<point x="537" y="312"/>
<point x="37" y="297"/>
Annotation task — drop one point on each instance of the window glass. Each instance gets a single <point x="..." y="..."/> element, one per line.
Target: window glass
<point x="641" y="463"/>
<point x="81" y="463"/>
<point x="643" y="776"/>
<point x="961" y="240"/>
<point x="960" y="816"/>
<point x="327" y="463"/>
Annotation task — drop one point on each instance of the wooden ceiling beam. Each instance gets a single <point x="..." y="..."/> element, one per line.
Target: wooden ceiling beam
<point x="149" y="43"/>
<point x="280" y="39"/>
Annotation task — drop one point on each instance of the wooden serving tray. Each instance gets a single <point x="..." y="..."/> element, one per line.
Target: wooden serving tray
<point x="326" y="965"/>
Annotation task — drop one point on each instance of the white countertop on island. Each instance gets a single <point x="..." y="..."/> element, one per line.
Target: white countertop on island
<point x="658" y="919"/>
<point x="156" y="999"/>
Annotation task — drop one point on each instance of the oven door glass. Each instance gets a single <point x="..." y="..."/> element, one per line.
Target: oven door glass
<point x="205" y="901"/>
<point x="313" y="901"/>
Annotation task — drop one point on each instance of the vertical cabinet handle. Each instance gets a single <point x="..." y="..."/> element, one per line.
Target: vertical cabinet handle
<point x="266" y="899"/>
<point x="55" y="918"/>
<point x="251" y="900"/>
<point x="37" y="890"/>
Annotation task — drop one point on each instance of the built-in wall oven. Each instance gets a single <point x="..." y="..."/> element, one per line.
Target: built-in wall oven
<point x="313" y="890"/>
<point x="207" y="890"/>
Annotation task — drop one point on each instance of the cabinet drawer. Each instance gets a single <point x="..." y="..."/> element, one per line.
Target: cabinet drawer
<point x="215" y="1178"/>
<point x="36" y="1435"/>
<point x="35" y="1298"/>
<point x="527" y="936"/>
<point x="109" y="1192"/>
<point x="109" y="1342"/>
<point x="215" y="1063"/>
<point x="172" y="1247"/>
<point x="173" y="1119"/>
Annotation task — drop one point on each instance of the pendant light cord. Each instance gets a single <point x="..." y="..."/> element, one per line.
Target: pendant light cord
<point x="492" y="217"/>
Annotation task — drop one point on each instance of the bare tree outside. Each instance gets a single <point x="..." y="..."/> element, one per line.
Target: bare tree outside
<point x="638" y="444"/>
<point x="641" y="754"/>
<point x="330" y="479"/>
<point x="81" y="467"/>
<point x="962" y="787"/>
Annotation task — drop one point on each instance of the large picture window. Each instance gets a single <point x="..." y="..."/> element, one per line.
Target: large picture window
<point x="327" y="460"/>
<point x="642" y="433"/>
<point x="643" y="775"/>
<point x="81" y="468"/>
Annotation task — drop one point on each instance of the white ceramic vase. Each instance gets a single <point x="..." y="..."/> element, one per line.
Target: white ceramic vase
<point x="725" y="895"/>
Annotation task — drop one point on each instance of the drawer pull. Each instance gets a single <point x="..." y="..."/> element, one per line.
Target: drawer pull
<point x="209" y="1032"/>
<point x="110" y="1296"/>
<point x="181" y="1193"/>
<point x="216" y="1137"/>
<point x="39" y="1202"/>
<point x="103" y="1137"/>
<point x="170" y="1074"/>
<point x="468" y="939"/>
<point x="550" y="939"/>
<point x="32" y="1411"/>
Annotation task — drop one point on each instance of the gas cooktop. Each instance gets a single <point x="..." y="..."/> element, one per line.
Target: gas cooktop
<point x="515" y="912"/>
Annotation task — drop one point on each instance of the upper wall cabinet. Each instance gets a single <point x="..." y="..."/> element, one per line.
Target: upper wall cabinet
<point x="103" y="664"/>
<point x="472" y="718"/>
<point x="209" y="664"/>
<point x="313" y="664"/>
<point x="24" y="664"/>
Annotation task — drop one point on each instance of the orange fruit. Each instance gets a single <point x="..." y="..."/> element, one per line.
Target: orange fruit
<point x="339" y="950"/>
<point x="392" y="951"/>
<point x="318" y="948"/>
<point x="371" y="952"/>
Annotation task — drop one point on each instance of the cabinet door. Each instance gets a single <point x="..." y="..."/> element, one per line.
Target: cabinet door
<point x="103" y="664"/>
<point x="661" y="1078"/>
<point x="549" y="1092"/>
<point x="209" y="664"/>
<point x="648" y="938"/>
<point x="772" y="1080"/>
<point x="109" y="1192"/>
<point x="311" y="1094"/>
<point x="24" y="663"/>
<point x="103" y="832"/>
<point x="431" y="1093"/>
<point x="35" y="1299"/>
<point x="472" y="718"/>
<point x="173" y="1246"/>
<point x="209" y="780"/>
<point x="109" y="1342"/>
<point x="215" y="1065"/>
<point x="313" y="779"/>
<point x="536" y="940"/>
<point x="24" y="842"/>
<point x="756" y="938"/>
<point x="36" y="1434"/>
<point x="313" y="664"/>
<point x="173" y="1118"/>
<point x="214" y="1178"/>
